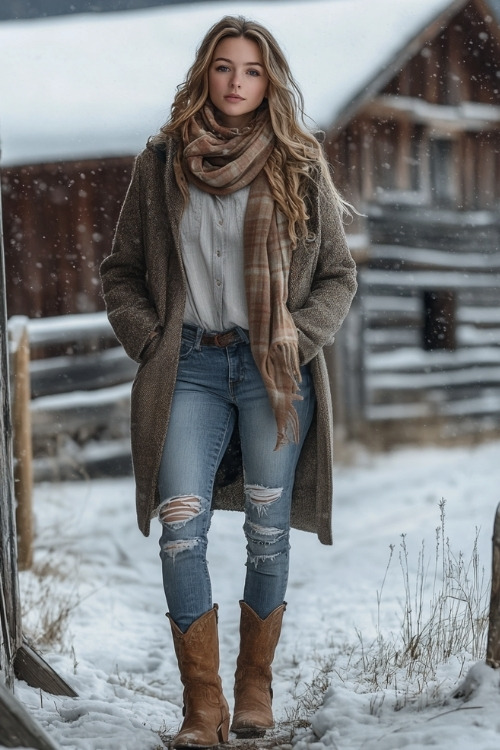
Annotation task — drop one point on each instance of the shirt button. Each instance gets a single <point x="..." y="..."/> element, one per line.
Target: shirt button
<point x="221" y="222"/>
<point x="218" y="282"/>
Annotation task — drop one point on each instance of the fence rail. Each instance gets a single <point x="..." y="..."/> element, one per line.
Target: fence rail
<point x="80" y="396"/>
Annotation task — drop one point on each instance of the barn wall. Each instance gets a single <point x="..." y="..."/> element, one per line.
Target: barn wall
<point x="58" y="225"/>
<point x="422" y="160"/>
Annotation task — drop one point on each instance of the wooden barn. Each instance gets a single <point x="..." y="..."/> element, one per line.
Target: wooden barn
<point x="419" y="151"/>
<point x="409" y="98"/>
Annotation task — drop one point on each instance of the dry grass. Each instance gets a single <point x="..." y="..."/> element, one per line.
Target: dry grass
<point x="450" y="622"/>
<point x="444" y="616"/>
<point x="45" y="606"/>
<point x="311" y="697"/>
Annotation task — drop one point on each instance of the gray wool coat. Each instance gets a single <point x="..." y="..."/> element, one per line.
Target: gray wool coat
<point x="144" y="286"/>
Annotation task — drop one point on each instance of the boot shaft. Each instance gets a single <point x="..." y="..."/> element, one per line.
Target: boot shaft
<point x="197" y="650"/>
<point x="259" y="638"/>
<point x="252" y="688"/>
<point x="206" y="713"/>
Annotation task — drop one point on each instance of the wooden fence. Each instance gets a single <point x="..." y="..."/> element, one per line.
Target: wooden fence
<point x="70" y="389"/>
<point x="80" y="384"/>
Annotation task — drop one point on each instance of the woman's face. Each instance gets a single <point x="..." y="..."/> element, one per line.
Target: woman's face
<point x="237" y="80"/>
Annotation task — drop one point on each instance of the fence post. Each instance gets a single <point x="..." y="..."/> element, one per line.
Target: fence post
<point x="10" y="609"/>
<point x="22" y="441"/>
<point x="493" y="646"/>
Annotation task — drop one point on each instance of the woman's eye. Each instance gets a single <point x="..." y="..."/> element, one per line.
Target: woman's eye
<point x="222" y="68"/>
<point x="254" y="72"/>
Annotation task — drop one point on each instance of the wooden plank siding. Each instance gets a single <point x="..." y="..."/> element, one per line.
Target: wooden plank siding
<point x="58" y="225"/>
<point x="422" y="160"/>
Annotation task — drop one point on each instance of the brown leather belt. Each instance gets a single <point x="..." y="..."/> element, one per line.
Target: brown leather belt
<point x="220" y="339"/>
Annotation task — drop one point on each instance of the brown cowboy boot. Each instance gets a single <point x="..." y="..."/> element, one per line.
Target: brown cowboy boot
<point x="206" y="713"/>
<point x="252" y="689"/>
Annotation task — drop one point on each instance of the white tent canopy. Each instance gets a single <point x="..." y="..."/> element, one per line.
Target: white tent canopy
<point x="96" y="85"/>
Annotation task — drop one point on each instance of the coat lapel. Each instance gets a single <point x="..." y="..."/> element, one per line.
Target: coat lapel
<point x="169" y="278"/>
<point x="173" y="199"/>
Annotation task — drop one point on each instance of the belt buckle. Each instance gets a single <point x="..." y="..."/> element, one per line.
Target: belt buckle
<point x="222" y="340"/>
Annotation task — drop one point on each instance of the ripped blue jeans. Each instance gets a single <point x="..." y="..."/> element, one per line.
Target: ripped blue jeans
<point x="215" y="389"/>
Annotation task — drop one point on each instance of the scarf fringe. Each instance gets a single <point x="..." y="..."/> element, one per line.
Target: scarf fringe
<point x="284" y="359"/>
<point x="286" y="355"/>
<point x="289" y="432"/>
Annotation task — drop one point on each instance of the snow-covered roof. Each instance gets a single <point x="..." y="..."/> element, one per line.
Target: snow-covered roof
<point x="99" y="84"/>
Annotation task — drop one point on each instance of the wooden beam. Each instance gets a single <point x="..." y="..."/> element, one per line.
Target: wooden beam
<point x="470" y="116"/>
<point x="18" y="728"/>
<point x="457" y="80"/>
<point x="432" y="91"/>
<point x="493" y="646"/>
<point x="23" y="454"/>
<point x="403" y="156"/>
<point x="68" y="329"/>
<point x="10" y="612"/>
<point x="81" y="372"/>
<point x="30" y="667"/>
<point x="5" y="641"/>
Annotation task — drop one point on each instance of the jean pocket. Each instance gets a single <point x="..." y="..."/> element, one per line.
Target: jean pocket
<point x="187" y="347"/>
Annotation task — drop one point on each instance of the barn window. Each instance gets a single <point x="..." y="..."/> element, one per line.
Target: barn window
<point x="415" y="159"/>
<point x="442" y="171"/>
<point x="439" y="320"/>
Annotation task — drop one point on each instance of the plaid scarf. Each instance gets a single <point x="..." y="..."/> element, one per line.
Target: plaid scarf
<point x="221" y="160"/>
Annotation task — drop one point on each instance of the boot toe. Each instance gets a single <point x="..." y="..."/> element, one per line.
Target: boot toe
<point x="248" y="724"/>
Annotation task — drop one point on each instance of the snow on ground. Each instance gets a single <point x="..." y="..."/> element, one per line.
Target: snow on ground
<point x="117" y="651"/>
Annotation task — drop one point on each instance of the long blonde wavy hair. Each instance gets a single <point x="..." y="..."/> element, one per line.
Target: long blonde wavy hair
<point x="297" y="155"/>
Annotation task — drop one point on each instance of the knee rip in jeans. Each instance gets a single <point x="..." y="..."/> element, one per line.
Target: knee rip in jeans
<point x="256" y="559"/>
<point x="172" y="549"/>
<point x="271" y="532"/>
<point x="178" y="511"/>
<point x="261" y="497"/>
<point x="264" y="536"/>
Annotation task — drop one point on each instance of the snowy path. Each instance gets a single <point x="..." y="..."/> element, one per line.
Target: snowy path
<point x="117" y="649"/>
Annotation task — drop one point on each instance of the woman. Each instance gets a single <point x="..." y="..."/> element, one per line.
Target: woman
<point x="229" y="273"/>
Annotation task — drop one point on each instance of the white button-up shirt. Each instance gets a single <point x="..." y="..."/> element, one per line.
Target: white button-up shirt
<point x="211" y="236"/>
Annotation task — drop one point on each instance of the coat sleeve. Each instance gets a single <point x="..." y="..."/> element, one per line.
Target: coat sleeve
<point x="333" y="283"/>
<point x="130" y="308"/>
